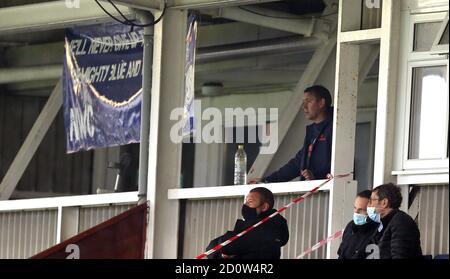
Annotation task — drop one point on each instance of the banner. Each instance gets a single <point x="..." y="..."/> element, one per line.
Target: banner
<point x="102" y="85"/>
<point x="189" y="73"/>
<point x="121" y="237"/>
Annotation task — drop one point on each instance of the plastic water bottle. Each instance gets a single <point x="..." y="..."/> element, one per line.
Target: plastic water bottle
<point x="240" y="166"/>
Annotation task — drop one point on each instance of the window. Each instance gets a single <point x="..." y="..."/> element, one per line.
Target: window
<point x="423" y="102"/>
<point x="428" y="103"/>
<point x="424" y="35"/>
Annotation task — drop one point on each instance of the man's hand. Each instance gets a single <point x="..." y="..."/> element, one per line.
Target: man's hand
<point x="254" y="180"/>
<point x="307" y="174"/>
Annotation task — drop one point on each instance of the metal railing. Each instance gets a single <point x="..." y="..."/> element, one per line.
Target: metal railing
<point x="30" y="226"/>
<point x="211" y="211"/>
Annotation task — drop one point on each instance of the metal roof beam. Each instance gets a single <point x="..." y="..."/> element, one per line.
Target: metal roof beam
<point x="188" y="4"/>
<point x="268" y="18"/>
<point x="53" y="15"/>
<point x="208" y="4"/>
<point x="57" y="14"/>
<point x="24" y="74"/>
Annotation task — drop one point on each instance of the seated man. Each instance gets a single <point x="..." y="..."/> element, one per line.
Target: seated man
<point x="263" y="242"/>
<point x="359" y="232"/>
<point x="313" y="160"/>
<point x="398" y="236"/>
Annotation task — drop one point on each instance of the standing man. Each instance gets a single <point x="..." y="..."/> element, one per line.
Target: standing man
<point x="398" y="236"/>
<point x="359" y="232"/>
<point x="313" y="160"/>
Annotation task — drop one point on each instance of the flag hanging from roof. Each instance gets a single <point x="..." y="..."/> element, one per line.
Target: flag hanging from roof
<point x="102" y="85"/>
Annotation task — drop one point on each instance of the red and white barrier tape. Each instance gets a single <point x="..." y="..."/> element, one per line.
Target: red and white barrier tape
<point x="221" y="245"/>
<point x="321" y="243"/>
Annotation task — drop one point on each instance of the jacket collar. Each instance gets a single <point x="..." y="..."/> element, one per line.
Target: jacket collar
<point x="387" y="219"/>
<point x="266" y="213"/>
<point x="366" y="227"/>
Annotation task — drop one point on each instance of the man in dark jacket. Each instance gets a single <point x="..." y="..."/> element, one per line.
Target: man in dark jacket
<point x="359" y="232"/>
<point x="398" y="236"/>
<point x="313" y="160"/>
<point x="263" y="242"/>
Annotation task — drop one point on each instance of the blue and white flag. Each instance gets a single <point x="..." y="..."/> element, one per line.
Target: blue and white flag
<point x="102" y="85"/>
<point x="189" y="73"/>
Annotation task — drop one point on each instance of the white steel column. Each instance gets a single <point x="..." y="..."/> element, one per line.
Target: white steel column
<point x="343" y="191"/>
<point x="145" y="18"/>
<point x="70" y="220"/>
<point x="387" y="80"/>
<point x="344" y="127"/>
<point x="164" y="156"/>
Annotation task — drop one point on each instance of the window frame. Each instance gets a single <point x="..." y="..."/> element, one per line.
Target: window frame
<point x="437" y="48"/>
<point x="408" y="60"/>
<point x="421" y="163"/>
<point x="417" y="19"/>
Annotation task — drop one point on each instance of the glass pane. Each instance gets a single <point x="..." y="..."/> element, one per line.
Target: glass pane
<point x="428" y="126"/>
<point x="425" y="34"/>
<point x="371" y="15"/>
<point x="444" y="38"/>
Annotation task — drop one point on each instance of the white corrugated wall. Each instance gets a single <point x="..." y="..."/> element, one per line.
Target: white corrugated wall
<point x="433" y="219"/>
<point x="94" y="215"/>
<point x="208" y="219"/>
<point x="25" y="233"/>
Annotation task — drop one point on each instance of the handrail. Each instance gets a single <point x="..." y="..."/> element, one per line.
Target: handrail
<point x="420" y="171"/>
<point x="67" y="201"/>
<point x="173" y="194"/>
<point x="242" y="190"/>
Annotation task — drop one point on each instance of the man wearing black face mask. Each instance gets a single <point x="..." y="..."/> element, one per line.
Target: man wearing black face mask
<point x="263" y="242"/>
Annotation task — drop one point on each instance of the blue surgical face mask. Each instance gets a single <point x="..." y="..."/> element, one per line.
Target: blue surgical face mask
<point x="375" y="216"/>
<point x="359" y="219"/>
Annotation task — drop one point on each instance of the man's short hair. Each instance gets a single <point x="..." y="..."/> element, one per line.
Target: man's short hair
<point x="320" y="92"/>
<point x="266" y="195"/>
<point x="390" y="192"/>
<point x="365" y="194"/>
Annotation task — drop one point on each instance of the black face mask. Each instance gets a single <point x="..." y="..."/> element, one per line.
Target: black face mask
<point x="248" y="213"/>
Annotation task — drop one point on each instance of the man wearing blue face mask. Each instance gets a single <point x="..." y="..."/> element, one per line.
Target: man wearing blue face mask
<point x="398" y="236"/>
<point x="359" y="232"/>
<point x="263" y="242"/>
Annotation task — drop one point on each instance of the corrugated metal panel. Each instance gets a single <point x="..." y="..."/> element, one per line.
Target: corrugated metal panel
<point x="25" y="233"/>
<point x="433" y="219"/>
<point x="208" y="219"/>
<point x="307" y="222"/>
<point x="91" y="216"/>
